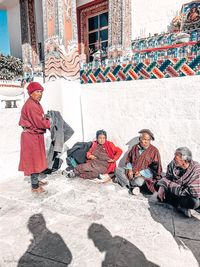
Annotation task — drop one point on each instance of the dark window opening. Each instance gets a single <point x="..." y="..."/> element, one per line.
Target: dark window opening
<point x="97" y="34"/>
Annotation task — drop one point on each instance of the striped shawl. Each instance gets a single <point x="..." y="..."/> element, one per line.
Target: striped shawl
<point x="187" y="184"/>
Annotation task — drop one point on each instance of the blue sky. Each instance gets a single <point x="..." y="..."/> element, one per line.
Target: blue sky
<point x="4" y="36"/>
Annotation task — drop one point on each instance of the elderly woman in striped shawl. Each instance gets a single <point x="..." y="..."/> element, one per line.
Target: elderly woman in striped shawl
<point x="181" y="185"/>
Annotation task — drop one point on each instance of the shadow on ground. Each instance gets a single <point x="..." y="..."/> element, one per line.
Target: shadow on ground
<point x="185" y="231"/>
<point x="47" y="249"/>
<point x="118" y="251"/>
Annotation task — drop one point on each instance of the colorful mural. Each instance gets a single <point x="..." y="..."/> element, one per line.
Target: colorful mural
<point x="28" y="33"/>
<point x="166" y="68"/>
<point x="51" y="18"/>
<point x="191" y="16"/>
<point x="59" y="63"/>
<point x="61" y="44"/>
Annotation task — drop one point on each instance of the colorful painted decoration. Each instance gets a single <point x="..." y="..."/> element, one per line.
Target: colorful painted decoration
<point x="165" y="68"/>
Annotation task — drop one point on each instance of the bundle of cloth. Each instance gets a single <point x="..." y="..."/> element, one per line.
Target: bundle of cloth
<point x="60" y="132"/>
<point x="77" y="154"/>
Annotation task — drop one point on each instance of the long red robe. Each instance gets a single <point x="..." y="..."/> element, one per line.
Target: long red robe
<point x="32" y="154"/>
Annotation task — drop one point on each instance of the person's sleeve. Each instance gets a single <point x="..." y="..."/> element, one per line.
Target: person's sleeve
<point x="38" y="118"/>
<point x="175" y="188"/>
<point x="157" y="165"/>
<point x="129" y="156"/>
<point x="89" y="153"/>
<point x="168" y="184"/>
<point x="116" y="150"/>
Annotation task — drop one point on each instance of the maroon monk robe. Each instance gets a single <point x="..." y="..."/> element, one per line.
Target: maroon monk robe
<point x="32" y="154"/>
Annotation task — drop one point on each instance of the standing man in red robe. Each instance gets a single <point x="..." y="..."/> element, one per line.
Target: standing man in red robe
<point x="32" y="120"/>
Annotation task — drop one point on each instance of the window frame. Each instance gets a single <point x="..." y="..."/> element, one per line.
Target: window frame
<point x="99" y="29"/>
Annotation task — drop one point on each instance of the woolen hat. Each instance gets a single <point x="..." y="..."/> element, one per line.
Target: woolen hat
<point x="148" y="132"/>
<point x="34" y="86"/>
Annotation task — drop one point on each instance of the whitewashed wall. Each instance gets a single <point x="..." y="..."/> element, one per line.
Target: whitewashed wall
<point x="83" y="2"/>
<point x="64" y="96"/>
<point x="169" y="107"/>
<point x="153" y="16"/>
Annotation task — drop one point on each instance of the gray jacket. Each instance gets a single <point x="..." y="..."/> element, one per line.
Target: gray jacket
<point x="60" y="133"/>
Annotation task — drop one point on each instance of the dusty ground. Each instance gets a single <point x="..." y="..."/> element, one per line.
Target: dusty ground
<point x="81" y="223"/>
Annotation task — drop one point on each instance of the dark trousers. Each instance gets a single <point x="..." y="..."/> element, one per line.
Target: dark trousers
<point x="35" y="180"/>
<point x="187" y="202"/>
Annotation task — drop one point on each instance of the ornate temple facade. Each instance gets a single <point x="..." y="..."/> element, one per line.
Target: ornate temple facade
<point x="75" y="39"/>
<point x="57" y="37"/>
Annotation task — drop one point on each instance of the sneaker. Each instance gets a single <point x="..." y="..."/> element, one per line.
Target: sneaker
<point x="186" y="212"/>
<point x="69" y="174"/>
<point x="38" y="190"/>
<point x="72" y="174"/>
<point x="114" y="180"/>
<point x="101" y="176"/>
<point x="104" y="178"/>
<point x="134" y="191"/>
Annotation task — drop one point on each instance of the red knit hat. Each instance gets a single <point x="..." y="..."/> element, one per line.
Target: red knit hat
<point x="34" y="86"/>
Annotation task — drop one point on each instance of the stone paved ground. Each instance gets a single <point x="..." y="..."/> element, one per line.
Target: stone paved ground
<point x="83" y="224"/>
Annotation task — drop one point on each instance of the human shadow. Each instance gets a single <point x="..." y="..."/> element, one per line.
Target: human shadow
<point x="185" y="231"/>
<point x="130" y="144"/>
<point x="46" y="249"/>
<point x="118" y="251"/>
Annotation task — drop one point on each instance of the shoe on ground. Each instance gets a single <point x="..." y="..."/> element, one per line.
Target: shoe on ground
<point x="114" y="180"/>
<point x="186" y="212"/>
<point x="134" y="191"/>
<point x="197" y="209"/>
<point x="43" y="182"/>
<point x="69" y="174"/>
<point x="101" y="176"/>
<point x="104" y="178"/>
<point x="38" y="190"/>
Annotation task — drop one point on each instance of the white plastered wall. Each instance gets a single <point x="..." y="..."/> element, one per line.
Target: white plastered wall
<point x="64" y="96"/>
<point x="170" y="108"/>
<point x="153" y="16"/>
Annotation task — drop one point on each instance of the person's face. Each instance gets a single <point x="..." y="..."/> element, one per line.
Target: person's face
<point x="37" y="95"/>
<point x="101" y="139"/>
<point x="145" y="140"/>
<point x="179" y="161"/>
